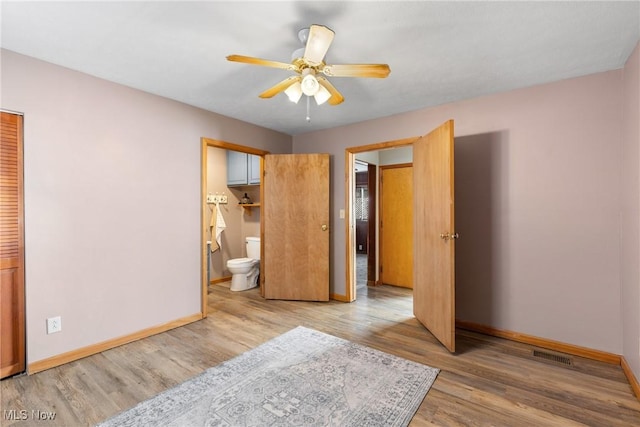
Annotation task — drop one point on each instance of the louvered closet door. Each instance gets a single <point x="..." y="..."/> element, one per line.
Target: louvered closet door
<point x="12" y="312"/>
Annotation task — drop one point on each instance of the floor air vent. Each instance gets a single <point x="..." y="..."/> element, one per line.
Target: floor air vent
<point x="552" y="357"/>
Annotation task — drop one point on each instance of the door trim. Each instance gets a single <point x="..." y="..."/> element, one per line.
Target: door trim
<point x="349" y="192"/>
<point x="206" y="143"/>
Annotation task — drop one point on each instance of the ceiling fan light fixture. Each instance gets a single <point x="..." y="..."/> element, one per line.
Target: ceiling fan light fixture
<point x="322" y="95"/>
<point x="294" y="92"/>
<point x="310" y="85"/>
<point x="308" y="64"/>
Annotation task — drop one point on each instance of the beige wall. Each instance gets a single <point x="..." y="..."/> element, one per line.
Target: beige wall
<point x="538" y="200"/>
<point x="630" y="212"/>
<point x="112" y="202"/>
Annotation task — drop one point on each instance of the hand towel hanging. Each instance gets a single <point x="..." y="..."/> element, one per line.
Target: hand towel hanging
<point x="217" y="226"/>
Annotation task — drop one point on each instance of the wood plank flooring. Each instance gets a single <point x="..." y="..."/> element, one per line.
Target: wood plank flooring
<point x="488" y="382"/>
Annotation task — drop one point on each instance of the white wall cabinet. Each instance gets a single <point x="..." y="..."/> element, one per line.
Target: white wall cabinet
<point x="242" y="169"/>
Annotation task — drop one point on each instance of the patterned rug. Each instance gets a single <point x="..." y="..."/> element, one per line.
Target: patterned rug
<point x="302" y="378"/>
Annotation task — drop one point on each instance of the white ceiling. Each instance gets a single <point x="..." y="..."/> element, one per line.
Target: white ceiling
<point x="438" y="52"/>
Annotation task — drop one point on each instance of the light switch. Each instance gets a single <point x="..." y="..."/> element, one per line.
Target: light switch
<point x="341" y="213"/>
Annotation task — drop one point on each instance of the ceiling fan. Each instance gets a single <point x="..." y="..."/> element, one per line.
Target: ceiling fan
<point x="310" y="68"/>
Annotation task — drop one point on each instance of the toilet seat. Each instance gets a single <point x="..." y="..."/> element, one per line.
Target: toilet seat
<point x="237" y="262"/>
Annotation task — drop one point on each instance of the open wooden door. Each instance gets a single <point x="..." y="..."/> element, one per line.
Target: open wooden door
<point x="295" y="211"/>
<point x="434" y="234"/>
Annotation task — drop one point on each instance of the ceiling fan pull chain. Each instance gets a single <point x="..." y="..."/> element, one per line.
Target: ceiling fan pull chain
<point x="308" y="108"/>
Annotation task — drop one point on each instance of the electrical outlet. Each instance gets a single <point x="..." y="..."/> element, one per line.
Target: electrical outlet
<point x="54" y="324"/>
<point x="222" y="199"/>
<point x="210" y="198"/>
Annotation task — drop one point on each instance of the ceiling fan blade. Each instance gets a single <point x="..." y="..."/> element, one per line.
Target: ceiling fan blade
<point x="357" y="70"/>
<point x="336" y="97"/>
<point x="283" y="85"/>
<point x="320" y="38"/>
<point x="263" y="62"/>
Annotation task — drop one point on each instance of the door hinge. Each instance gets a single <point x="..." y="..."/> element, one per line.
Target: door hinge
<point x="380" y="269"/>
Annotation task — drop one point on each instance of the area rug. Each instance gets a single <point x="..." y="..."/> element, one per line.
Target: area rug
<point x="301" y="378"/>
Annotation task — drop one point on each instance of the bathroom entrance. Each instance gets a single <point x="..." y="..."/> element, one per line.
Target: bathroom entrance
<point x="231" y="214"/>
<point x="291" y="218"/>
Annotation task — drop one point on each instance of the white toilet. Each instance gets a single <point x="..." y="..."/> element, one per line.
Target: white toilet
<point x="246" y="270"/>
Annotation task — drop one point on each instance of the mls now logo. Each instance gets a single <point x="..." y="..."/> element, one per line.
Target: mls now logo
<point x="23" y="415"/>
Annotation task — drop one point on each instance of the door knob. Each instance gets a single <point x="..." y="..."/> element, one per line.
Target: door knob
<point x="324" y="227"/>
<point x="447" y="236"/>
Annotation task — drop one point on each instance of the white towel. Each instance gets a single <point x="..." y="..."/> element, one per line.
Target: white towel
<point x="217" y="226"/>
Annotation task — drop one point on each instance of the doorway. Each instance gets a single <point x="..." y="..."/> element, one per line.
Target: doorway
<point x="376" y="157"/>
<point x="204" y="260"/>
<point x="434" y="234"/>
<point x="294" y="193"/>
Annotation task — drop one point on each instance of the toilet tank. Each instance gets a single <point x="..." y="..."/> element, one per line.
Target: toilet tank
<point x="253" y="247"/>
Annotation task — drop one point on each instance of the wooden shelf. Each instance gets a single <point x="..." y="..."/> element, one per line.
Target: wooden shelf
<point x="248" y="206"/>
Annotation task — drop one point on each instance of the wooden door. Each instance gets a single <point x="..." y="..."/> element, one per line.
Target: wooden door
<point x="296" y="227"/>
<point x="396" y="225"/>
<point x="12" y="311"/>
<point x="434" y="238"/>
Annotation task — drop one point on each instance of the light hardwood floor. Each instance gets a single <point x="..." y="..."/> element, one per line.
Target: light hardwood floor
<point x="489" y="381"/>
